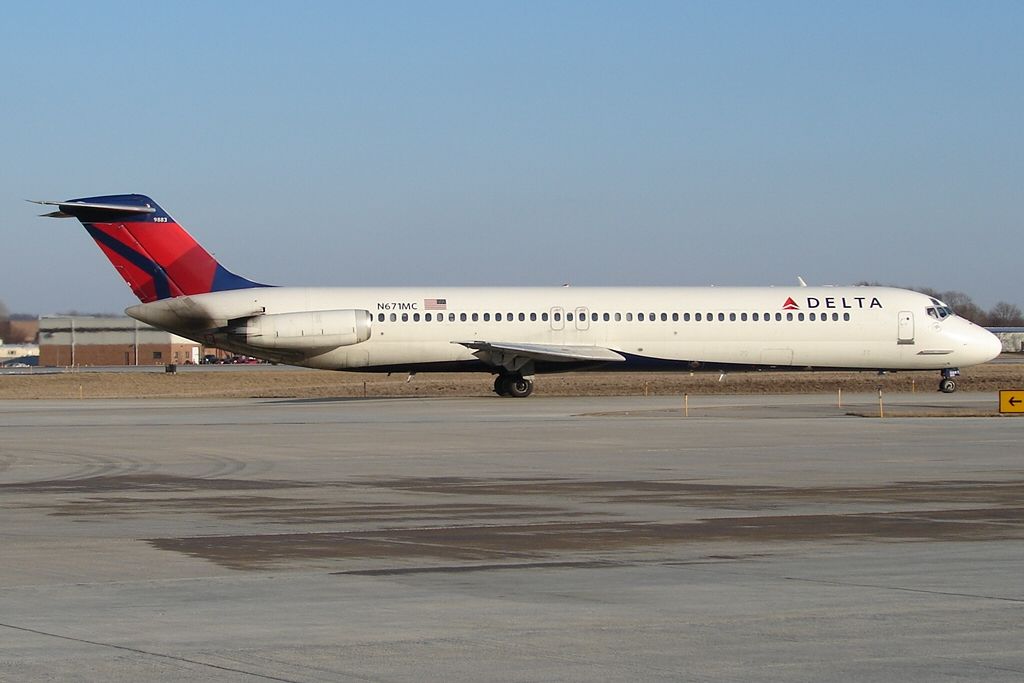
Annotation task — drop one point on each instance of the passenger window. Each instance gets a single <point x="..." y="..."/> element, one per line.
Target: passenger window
<point x="800" y="317"/>
<point x="664" y="317"/>
<point x="618" y="317"/>
<point x="811" y="317"/>
<point x="675" y="317"/>
<point x="710" y="317"/>
<point x="462" y="317"/>
<point x="415" y="317"/>
<point x="789" y="317"/>
<point x="544" y="317"/>
<point x="568" y="317"/>
<point x="394" y="317"/>
<point x="835" y="316"/>
<point x="629" y="317"/>
<point x="533" y="317"/>
<point x="427" y="317"/>
<point x="475" y="317"/>
<point x="522" y="317"/>
<point x="686" y="317"/>
<point x="755" y="317"/>
<point x="697" y="317"/>
<point x="732" y="317"/>
<point x="593" y="317"/>
<point x="778" y="317"/>
<point x="846" y="316"/>
<point x="487" y="317"/>
<point x="721" y="317"/>
<point x="380" y="317"/>
<point x="405" y="317"/>
<point x="558" y="317"/>
<point x="606" y="317"/>
<point x="497" y="316"/>
<point x="640" y="317"/>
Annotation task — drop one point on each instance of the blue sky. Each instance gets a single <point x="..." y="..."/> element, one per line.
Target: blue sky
<point x="526" y="143"/>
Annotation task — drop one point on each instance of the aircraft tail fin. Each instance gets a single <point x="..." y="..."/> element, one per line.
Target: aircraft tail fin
<point x="155" y="256"/>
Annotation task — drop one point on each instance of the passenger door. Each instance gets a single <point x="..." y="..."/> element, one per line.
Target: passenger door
<point x="906" y="328"/>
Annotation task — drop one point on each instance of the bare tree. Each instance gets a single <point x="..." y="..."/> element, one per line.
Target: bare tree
<point x="5" y="325"/>
<point x="934" y="293"/>
<point x="965" y="307"/>
<point x="1005" y="315"/>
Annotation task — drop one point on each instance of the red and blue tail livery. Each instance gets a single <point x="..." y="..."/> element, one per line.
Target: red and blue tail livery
<point x="152" y="252"/>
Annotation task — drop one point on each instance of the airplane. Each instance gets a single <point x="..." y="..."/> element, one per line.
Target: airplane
<point x="516" y="333"/>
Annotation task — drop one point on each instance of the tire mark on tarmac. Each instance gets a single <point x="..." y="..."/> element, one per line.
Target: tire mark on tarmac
<point x="75" y="466"/>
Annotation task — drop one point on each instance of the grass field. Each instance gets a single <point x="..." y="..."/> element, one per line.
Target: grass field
<point x="265" y="382"/>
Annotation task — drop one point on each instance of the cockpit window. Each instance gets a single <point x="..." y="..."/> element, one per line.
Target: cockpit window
<point x="939" y="310"/>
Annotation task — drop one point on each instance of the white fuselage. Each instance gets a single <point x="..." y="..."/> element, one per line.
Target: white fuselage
<point x="419" y="328"/>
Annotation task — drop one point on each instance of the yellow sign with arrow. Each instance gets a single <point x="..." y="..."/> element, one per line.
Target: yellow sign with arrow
<point x="1011" y="401"/>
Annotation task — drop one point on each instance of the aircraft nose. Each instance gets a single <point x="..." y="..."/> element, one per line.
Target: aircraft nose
<point x="990" y="345"/>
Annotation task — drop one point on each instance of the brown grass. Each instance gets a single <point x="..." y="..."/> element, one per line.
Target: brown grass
<point x="282" y="383"/>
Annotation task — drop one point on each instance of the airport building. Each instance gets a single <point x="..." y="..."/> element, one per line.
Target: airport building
<point x="89" y="340"/>
<point x="18" y="353"/>
<point x="1011" y="337"/>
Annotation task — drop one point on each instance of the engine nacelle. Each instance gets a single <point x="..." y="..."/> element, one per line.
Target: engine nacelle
<point x="309" y="331"/>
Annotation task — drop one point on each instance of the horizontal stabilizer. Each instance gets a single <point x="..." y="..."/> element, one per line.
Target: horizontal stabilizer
<point x="73" y="209"/>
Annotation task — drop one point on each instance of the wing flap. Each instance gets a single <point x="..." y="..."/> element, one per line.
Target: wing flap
<point x="514" y="356"/>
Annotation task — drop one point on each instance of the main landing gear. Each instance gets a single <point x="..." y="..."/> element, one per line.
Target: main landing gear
<point x="946" y="384"/>
<point x="514" y="385"/>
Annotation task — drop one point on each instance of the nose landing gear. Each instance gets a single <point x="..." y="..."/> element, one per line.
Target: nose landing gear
<point x="946" y="384"/>
<point x="514" y="385"/>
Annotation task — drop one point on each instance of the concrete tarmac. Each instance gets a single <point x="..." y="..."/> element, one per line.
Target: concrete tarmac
<point x="763" y="538"/>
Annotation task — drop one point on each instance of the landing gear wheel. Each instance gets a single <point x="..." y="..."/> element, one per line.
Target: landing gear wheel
<point x="519" y="387"/>
<point x="947" y="386"/>
<point x="501" y="385"/>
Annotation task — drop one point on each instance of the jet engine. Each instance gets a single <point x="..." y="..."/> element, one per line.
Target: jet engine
<point x="307" y="331"/>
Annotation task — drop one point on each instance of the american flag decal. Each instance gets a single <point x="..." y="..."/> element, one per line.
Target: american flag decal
<point x="435" y="304"/>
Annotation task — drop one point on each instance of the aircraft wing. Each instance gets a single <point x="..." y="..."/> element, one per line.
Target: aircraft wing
<point x="513" y="356"/>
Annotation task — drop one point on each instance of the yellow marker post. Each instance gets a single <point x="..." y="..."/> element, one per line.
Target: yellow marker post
<point x="1011" y="401"/>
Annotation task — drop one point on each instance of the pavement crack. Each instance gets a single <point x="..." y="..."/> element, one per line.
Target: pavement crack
<point x="854" y="584"/>
<point x="147" y="653"/>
